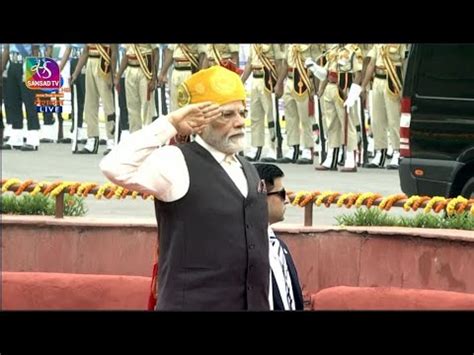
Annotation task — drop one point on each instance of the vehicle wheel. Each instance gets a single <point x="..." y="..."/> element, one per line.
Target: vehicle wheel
<point x="468" y="189"/>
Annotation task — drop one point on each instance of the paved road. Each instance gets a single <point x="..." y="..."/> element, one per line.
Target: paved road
<point x="55" y="161"/>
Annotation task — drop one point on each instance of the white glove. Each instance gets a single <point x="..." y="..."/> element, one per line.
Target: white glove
<point x="317" y="70"/>
<point x="353" y="95"/>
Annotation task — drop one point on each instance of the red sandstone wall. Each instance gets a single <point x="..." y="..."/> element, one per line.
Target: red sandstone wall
<point x="325" y="256"/>
<point x="329" y="259"/>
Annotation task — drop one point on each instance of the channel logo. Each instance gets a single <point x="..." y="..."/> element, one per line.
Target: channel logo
<point x="42" y="73"/>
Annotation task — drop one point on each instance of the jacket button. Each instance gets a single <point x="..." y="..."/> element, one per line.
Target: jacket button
<point x="251" y="246"/>
<point x="247" y="226"/>
<point x="249" y="288"/>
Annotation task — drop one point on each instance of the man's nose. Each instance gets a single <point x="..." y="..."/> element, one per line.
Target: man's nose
<point x="239" y="122"/>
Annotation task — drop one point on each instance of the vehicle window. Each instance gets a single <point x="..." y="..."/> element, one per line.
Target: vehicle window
<point x="446" y="70"/>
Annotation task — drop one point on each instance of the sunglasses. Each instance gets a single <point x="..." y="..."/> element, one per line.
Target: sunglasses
<point x="281" y="193"/>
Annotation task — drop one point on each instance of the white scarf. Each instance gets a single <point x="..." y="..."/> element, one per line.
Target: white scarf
<point x="280" y="271"/>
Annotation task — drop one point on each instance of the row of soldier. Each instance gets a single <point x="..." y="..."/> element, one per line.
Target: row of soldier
<point x="324" y="90"/>
<point x="315" y="102"/>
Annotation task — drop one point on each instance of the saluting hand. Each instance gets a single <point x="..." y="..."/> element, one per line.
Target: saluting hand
<point x="194" y="118"/>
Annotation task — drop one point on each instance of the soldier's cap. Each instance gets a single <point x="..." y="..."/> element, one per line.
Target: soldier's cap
<point x="216" y="84"/>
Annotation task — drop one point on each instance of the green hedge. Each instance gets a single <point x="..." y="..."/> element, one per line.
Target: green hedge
<point x="41" y="205"/>
<point x="376" y="217"/>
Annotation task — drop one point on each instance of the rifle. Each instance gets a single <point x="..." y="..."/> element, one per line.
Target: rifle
<point x="164" y="107"/>
<point x="276" y="123"/>
<point x="115" y="89"/>
<point x="346" y="128"/>
<point x="75" y="132"/>
<point x="365" y="143"/>
<point x="322" y="137"/>
<point x="117" y="115"/>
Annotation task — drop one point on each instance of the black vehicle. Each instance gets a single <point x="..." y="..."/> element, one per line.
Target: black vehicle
<point x="437" y="121"/>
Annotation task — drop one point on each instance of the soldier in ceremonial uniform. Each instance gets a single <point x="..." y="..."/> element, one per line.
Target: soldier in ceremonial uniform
<point x="101" y="66"/>
<point x="226" y="55"/>
<point x="298" y="91"/>
<point x="186" y="59"/>
<point x="366" y="95"/>
<point x="264" y="63"/>
<point x="386" y="62"/>
<point x="344" y="64"/>
<point x="72" y="53"/>
<point x="139" y="64"/>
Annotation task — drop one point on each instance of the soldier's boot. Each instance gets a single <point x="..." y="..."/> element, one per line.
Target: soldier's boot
<point x="394" y="163"/>
<point x="271" y="156"/>
<point x="341" y="156"/>
<point x="370" y="147"/>
<point x="296" y="154"/>
<point x="350" y="163"/>
<point x="82" y="136"/>
<point x="330" y="163"/>
<point x="48" y="133"/>
<point x="32" y="141"/>
<point x="7" y="132"/>
<point x="389" y="152"/>
<point x="15" y="141"/>
<point x="379" y="159"/>
<point x="254" y="154"/>
<point x="291" y="155"/>
<point x="306" y="156"/>
<point x="110" y="146"/>
<point x="91" y="147"/>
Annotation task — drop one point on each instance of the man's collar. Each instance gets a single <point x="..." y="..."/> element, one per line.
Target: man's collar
<point x="271" y="233"/>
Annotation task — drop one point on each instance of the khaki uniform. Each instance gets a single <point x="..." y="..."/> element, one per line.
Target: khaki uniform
<point x="385" y="96"/>
<point x="225" y="51"/>
<point x="365" y="48"/>
<point x="140" y="103"/>
<point x="261" y="104"/>
<point x="98" y="86"/>
<point x="324" y="48"/>
<point x="343" y="63"/>
<point x="183" y="67"/>
<point x="296" y="94"/>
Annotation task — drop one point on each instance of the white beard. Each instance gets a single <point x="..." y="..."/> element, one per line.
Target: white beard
<point x="225" y="145"/>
